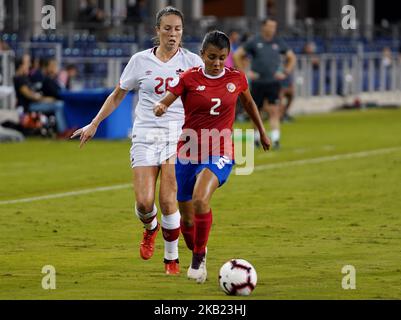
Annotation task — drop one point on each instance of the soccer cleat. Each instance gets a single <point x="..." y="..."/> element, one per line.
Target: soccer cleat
<point x="172" y="267"/>
<point x="287" y="118"/>
<point x="276" y="145"/>
<point x="197" y="270"/>
<point x="148" y="243"/>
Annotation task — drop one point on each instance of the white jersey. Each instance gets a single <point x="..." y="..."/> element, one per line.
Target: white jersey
<point x="150" y="76"/>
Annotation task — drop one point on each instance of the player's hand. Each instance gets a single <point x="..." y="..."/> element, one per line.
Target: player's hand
<point x="252" y="75"/>
<point x="85" y="134"/>
<point x="265" y="141"/>
<point x="280" y="76"/>
<point x="48" y="99"/>
<point x="159" y="109"/>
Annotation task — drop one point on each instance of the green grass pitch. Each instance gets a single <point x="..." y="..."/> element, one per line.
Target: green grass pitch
<point x="298" y="223"/>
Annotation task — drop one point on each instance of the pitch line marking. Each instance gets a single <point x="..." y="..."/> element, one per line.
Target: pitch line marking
<point x="362" y="154"/>
<point x="67" y="194"/>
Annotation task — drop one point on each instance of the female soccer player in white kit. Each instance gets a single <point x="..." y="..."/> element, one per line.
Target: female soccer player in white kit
<point x="154" y="139"/>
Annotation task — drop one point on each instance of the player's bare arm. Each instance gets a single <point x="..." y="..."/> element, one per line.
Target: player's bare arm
<point x="289" y="67"/>
<point x="251" y="109"/>
<point x="112" y="102"/>
<point x="291" y="61"/>
<point x="161" y="106"/>
<point x="238" y="57"/>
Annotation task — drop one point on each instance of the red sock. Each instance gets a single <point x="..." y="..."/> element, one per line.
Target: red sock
<point x="203" y="223"/>
<point x="189" y="235"/>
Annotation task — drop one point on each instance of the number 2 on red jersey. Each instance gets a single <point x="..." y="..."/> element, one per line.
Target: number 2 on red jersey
<point x="217" y="103"/>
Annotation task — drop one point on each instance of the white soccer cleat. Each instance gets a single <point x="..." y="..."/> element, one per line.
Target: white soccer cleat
<point x="199" y="274"/>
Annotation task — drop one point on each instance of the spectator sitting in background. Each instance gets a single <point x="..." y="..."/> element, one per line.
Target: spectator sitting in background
<point x="387" y="57"/>
<point x="66" y="76"/>
<point x="51" y="86"/>
<point x="310" y="50"/>
<point x="37" y="75"/>
<point x="32" y="101"/>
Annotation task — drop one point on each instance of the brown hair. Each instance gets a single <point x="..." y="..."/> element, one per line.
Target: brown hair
<point x="165" y="12"/>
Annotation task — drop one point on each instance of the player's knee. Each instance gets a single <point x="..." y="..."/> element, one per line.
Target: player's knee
<point x="201" y="203"/>
<point x="168" y="205"/>
<point x="187" y="221"/>
<point x="144" y="205"/>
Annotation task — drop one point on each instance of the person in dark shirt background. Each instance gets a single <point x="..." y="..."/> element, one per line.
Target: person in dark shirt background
<point x="37" y="74"/>
<point x="32" y="101"/>
<point x="137" y="12"/>
<point x="91" y="13"/>
<point x="66" y="76"/>
<point x="267" y="72"/>
<point x="51" y="86"/>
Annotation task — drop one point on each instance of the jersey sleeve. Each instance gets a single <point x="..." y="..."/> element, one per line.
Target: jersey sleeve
<point x="283" y="46"/>
<point x="177" y="86"/>
<point x="197" y="61"/>
<point x="243" y="82"/>
<point x="129" y="79"/>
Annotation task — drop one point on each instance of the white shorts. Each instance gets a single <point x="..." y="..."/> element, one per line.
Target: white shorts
<point x="152" y="147"/>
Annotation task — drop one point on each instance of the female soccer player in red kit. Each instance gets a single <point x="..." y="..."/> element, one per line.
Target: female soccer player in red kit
<point x="209" y="95"/>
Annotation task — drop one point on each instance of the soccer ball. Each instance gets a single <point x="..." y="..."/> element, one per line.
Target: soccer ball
<point x="237" y="277"/>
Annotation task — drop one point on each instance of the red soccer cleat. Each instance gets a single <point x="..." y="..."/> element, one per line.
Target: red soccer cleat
<point x="148" y="243"/>
<point x="172" y="267"/>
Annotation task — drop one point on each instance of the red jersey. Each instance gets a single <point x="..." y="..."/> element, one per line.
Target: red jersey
<point x="209" y="105"/>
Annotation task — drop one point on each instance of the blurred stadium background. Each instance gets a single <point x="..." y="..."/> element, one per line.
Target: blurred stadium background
<point x="330" y="197"/>
<point x="335" y="66"/>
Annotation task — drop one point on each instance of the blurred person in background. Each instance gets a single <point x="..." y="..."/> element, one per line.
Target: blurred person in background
<point x="287" y="92"/>
<point x="265" y="74"/>
<point x="387" y="63"/>
<point x="91" y="13"/>
<point x="51" y="87"/>
<point x="4" y="46"/>
<point x="32" y="101"/>
<point x="37" y="73"/>
<point x="137" y="11"/>
<point x="67" y="75"/>
<point x="311" y="51"/>
<point x="154" y="140"/>
<point x="234" y="37"/>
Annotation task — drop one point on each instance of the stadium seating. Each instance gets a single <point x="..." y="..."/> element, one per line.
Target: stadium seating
<point x="86" y="45"/>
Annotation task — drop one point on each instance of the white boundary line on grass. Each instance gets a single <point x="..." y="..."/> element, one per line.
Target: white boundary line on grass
<point x="67" y="194"/>
<point x="362" y="154"/>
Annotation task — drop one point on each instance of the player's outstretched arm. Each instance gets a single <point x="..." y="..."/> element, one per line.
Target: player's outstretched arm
<point x="112" y="102"/>
<point x="252" y="110"/>
<point x="161" y="106"/>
